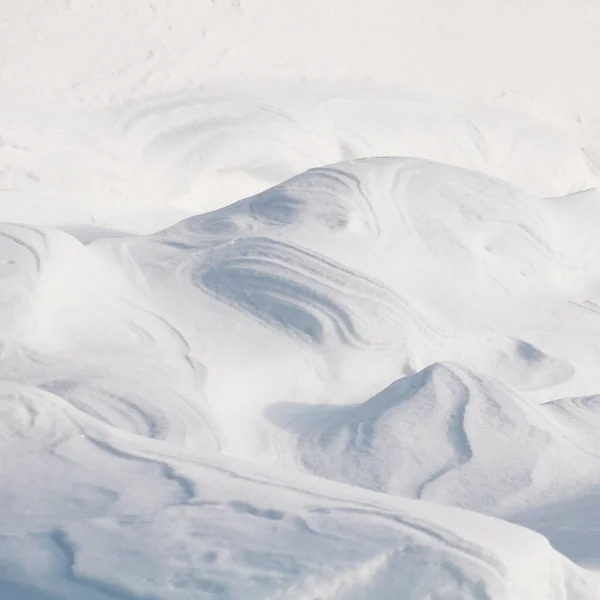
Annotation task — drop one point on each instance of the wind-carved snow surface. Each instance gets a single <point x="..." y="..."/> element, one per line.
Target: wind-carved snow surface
<point x="145" y="165"/>
<point x="292" y="329"/>
<point x="271" y="329"/>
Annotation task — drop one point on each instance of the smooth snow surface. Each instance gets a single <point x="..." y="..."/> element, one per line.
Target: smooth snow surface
<point x="299" y="300"/>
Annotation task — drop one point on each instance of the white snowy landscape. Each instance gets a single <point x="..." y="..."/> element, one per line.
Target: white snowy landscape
<point x="300" y="299"/>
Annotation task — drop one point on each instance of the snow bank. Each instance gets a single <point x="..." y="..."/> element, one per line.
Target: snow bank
<point x="194" y="526"/>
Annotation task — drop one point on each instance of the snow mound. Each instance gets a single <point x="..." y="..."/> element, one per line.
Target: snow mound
<point x="264" y="332"/>
<point x="522" y="365"/>
<point x="193" y="526"/>
<point x="217" y="145"/>
<point x="145" y="165"/>
<point x="319" y="271"/>
<point x="444" y="434"/>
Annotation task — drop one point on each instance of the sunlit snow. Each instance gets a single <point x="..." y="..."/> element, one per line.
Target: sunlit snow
<point x="300" y="300"/>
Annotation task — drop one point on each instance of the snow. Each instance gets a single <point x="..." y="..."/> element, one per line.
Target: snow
<point x="151" y="163"/>
<point x="299" y="300"/>
<point x="193" y="526"/>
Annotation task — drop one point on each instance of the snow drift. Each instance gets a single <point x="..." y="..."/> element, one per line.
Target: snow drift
<point x="194" y="526"/>
<point x="171" y="339"/>
<point x="242" y="357"/>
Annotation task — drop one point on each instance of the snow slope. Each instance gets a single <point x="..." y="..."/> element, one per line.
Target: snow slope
<point x="194" y="526"/>
<point x="170" y="341"/>
<point x="299" y="300"/>
<point x="201" y="103"/>
<point x="145" y="165"/>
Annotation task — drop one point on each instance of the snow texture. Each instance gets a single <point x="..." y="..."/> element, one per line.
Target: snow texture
<point x="299" y="300"/>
